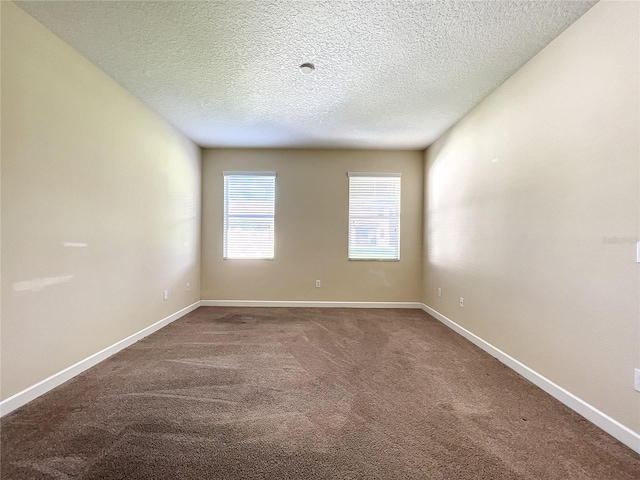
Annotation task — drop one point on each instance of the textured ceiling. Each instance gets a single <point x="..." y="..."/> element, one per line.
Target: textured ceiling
<point x="389" y="74"/>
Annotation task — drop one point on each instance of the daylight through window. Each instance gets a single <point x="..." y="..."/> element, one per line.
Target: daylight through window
<point x="374" y="216"/>
<point x="249" y="208"/>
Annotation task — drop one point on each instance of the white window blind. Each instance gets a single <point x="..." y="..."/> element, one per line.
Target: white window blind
<point x="249" y="208"/>
<point x="374" y="216"/>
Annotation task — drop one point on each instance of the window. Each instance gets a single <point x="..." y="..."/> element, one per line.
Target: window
<point x="374" y="216"/>
<point x="249" y="207"/>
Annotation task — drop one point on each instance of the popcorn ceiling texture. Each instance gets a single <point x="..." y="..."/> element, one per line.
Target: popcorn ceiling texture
<point x="389" y="74"/>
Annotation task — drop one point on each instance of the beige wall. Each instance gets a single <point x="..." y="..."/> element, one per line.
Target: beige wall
<point x="100" y="208"/>
<point x="532" y="213"/>
<point x="311" y="229"/>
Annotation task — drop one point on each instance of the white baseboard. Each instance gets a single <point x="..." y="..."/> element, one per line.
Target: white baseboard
<point x="297" y="303"/>
<point x="33" y="392"/>
<point x="600" y="419"/>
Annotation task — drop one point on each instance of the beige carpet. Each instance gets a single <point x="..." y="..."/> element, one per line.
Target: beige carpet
<point x="238" y="393"/>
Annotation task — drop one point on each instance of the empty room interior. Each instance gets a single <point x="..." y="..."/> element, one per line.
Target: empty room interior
<point x="320" y="239"/>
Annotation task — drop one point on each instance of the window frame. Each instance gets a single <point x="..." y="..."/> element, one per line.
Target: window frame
<point x="397" y="217"/>
<point x="226" y="217"/>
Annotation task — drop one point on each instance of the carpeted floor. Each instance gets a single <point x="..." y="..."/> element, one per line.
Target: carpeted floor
<point x="239" y="393"/>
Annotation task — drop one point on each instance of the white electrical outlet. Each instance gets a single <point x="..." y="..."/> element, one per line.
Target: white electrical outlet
<point x="461" y="302"/>
<point x="439" y="292"/>
<point x="636" y="384"/>
<point x="188" y="287"/>
<point x="165" y="294"/>
<point x="318" y="284"/>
